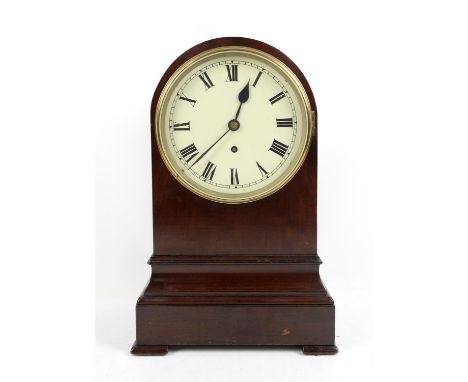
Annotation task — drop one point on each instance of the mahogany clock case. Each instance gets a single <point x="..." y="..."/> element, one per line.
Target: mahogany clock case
<point x="234" y="274"/>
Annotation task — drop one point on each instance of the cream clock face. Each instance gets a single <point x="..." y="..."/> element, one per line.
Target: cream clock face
<point x="233" y="124"/>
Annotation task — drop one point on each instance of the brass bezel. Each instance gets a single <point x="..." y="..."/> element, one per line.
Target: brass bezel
<point x="309" y="118"/>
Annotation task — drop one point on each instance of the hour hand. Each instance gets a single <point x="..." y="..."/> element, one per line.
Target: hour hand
<point x="243" y="97"/>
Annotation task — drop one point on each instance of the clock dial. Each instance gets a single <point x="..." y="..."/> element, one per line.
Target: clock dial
<point x="233" y="125"/>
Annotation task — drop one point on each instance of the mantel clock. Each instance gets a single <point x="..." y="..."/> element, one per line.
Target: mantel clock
<point x="234" y="169"/>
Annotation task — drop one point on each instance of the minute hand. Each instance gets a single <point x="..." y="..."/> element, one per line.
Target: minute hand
<point x="209" y="148"/>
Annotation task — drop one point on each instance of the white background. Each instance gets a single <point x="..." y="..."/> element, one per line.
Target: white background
<point x="390" y="81"/>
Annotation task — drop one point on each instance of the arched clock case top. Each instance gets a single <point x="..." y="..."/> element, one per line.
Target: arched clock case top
<point x="235" y="274"/>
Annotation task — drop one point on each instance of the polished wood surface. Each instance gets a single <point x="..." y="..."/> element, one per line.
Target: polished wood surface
<point x="237" y="325"/>
<point x="243" y="274"/>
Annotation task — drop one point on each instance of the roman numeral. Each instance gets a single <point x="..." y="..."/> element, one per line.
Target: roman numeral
<point x="277" y="97"/>
<point x="279" y="148"/>
<point x="234" y="176"/>
<point x="206" y="80"/>
<point x="209" y="171"/>
<point x="284" y="122"/>
<point x="256" y="79"/>
<point x="232" y="72"/>
<point x="190" y="151"/>
<point x="181" y="126"/>
<point x="191" y="101"/>
<point x="262" y="170"/>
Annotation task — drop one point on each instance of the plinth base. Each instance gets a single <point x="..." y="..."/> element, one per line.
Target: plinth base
<point x="272" y="303"/>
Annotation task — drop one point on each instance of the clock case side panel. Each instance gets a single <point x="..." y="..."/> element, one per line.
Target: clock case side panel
<point x="284" y="223"/>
